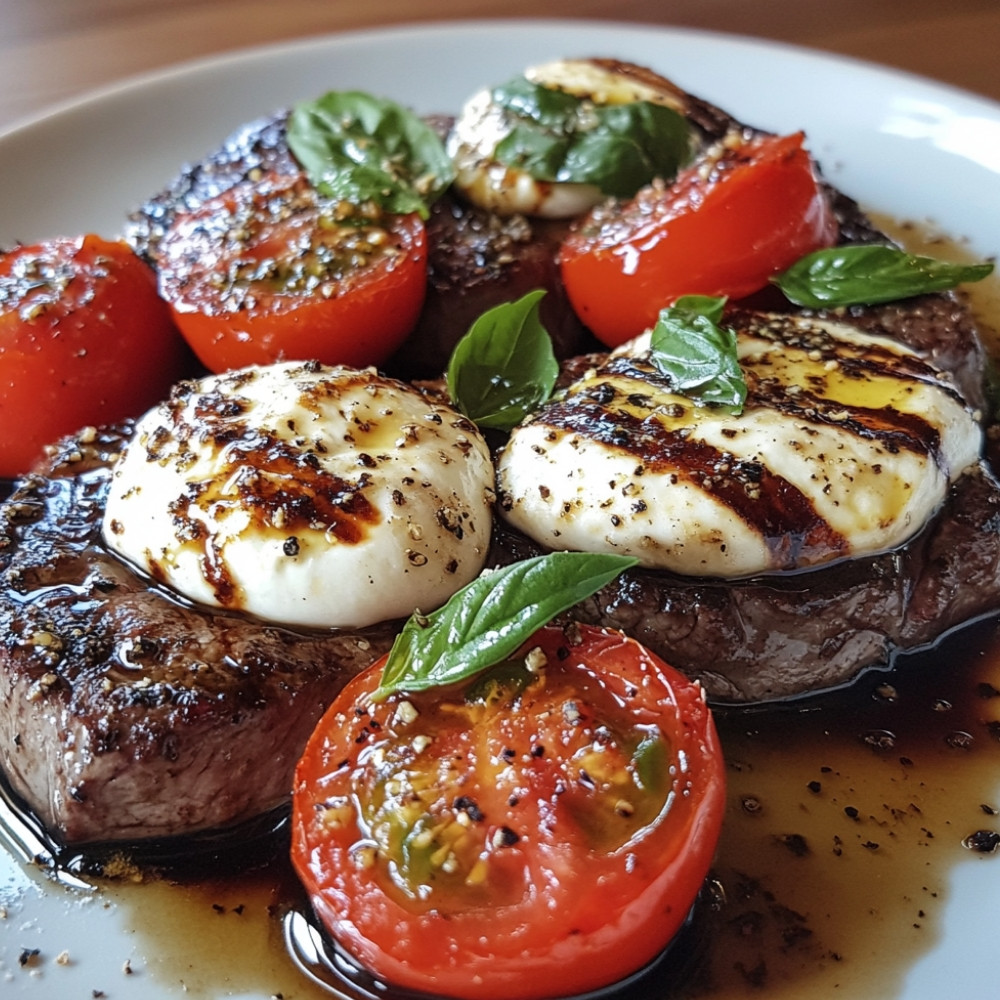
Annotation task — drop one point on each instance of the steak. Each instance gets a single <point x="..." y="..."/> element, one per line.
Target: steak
<point x="476" y="261"/>
<point x="786" y="635"/>
<point x="128" y="714"/>
<point x="793" y="634"/>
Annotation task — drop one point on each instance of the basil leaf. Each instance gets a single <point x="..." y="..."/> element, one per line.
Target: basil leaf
<point x="712" y="307"/>
<point x="357" y="148"/>
<point x="557" y="137"/>
<point x="504" y="367"/>
<point x="698" y="355"/>
<point x="486" y="621"/>
<point x="869" y="274"/>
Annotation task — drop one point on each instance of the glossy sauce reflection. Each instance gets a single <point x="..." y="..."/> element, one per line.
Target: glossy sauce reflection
<point x="846" y="817"/>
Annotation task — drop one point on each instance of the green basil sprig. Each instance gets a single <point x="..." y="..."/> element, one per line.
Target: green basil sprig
<point x="697" y="354"/>
<point x="618" y="148"/>
<point x="487" y="620"/>
<point x="358" y="148"/>
<point x="868" y="274"/>
<point x="504" y="367"/>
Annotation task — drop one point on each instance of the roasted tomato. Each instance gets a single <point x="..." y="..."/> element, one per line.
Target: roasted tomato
<point x="543" y="831"/>
<point x="271" y="270"/>
<point x="84" y="339"/>
<point x="724" y="227"/>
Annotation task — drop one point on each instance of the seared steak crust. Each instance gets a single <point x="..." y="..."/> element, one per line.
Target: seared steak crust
<point x="128" y="714"/>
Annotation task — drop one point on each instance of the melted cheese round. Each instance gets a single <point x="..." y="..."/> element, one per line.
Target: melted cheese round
<point x="845" y="447"/>
<point x="307" y="495"/>
<point x="483" y="124"/>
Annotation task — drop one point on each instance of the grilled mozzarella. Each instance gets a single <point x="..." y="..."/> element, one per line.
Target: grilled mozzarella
<point x="483" y="123"/>
<point x="845" y="447"/>
<point x="308" y="495"/>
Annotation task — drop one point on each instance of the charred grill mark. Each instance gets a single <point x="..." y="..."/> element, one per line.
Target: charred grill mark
<point x="879" y="362"/>
<point x="892" y="429"/>
<point x="282" y="490"/>
<point x="782" y="515"/>
<point x="217" y="574"/>
<point x="292" y="492"/>
<point x="868" y="359"/>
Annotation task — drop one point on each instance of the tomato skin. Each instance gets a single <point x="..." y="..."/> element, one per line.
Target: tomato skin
<point x="360" y="319"/>
<point x="93" y="344"/>
<point x="759" y="210"/>
<point x="559" y="912"/>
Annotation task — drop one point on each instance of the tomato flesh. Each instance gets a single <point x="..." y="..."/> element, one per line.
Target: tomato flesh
<point x="84" y="339"/>
<point x="272" y="271"/>
<point x="542" y="832"/>
<point x="722" y="228"/>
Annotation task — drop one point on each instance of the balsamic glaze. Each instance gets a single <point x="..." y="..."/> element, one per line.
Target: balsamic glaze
<point x="326" y="964"/>
<point x="840" y="805"/>
<point x="227" y="852"/>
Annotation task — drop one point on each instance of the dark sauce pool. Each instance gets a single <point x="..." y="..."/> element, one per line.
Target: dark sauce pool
<point x="846" y="817"/>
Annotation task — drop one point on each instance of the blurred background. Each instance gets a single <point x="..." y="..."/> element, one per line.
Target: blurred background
<point x="51" y="50"/>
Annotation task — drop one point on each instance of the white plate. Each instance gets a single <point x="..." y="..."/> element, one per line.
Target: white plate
<point x="900" y="144"/>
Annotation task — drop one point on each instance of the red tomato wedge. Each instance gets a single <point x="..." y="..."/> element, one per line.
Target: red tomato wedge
<point x="272" y="271"/>
<point x="84" y="339"/>
<point x="543" y="831"/>
<point x="724" y="227"/>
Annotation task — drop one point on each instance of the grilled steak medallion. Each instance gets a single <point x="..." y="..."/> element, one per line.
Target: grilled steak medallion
<point x="126" y="714"/>
<point x="784" y="635"/>
<point x="793" y="634"/>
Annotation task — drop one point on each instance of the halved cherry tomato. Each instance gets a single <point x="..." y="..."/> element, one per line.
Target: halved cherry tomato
<point x="542" y="831"/>
<point x="271" y="270"/>
<point x="724" y="227"/>
<point x="84" y="339"/>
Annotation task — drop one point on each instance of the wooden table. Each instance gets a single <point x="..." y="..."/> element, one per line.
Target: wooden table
<point x="52" y="50"/>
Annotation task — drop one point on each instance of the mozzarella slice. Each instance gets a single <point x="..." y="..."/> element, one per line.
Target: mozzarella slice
<point x="492" y="185"/>
<point x="307" y="495"/>
<point x="846" y="447"/>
